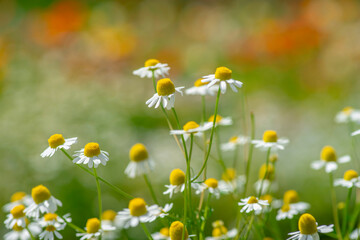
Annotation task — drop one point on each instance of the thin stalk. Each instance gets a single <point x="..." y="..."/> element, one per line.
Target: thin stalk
<point x="154" y="81"/>
<point x="248" y="162"/>
<point x="203" y="104"/>
<point x="353" y="144"/>
<point x="266" y="172"/>
<point x="249" y="226"/>
<point x="73" y="226"/>
<point x="236" y="154"/>
<point x="116" y="189"/>
<point x="345" y="219"/>
<point x="146" y="231"/>
<point x="334" y="207"/>
<point x="99" y="193"/>
<point x="31" y="235"/>
<point x="148" y="183"/>
<point x="203" y="117"/>
<point x="206" y="212"/>
<point x="188" y="170"/>
<point x="218" y="142"/>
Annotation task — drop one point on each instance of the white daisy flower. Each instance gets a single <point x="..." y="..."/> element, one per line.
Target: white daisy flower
<point x="44" y="202"/>
<point x="16" y="216"/>
<point x="309" y="229"/>
<point x="138" y="212"/>
<point x="18" y="198"/>
<point x="165" y="94"/>
<point x="140" y="162"/>
<point x="177" y="183"/>
<point x="286" y="212"/>
<point x="110" y="219"/>
<point x="291" y="197"/>
<point x="54" y="220"/>
<point x="351" y="179"/>
<point x="222" y="76"/>
<point x="220" y="232"/>
<point x="152" y="65"/>
<point x="163" y="234"/>
<point x="220" y="121"/>
<point x="354" y="235"/>
<point x="91" y="155"/>
<point x="57" y="142"/>
<point x="231" y="182"/>
<point x="329" y="160"/>
<point x="270" y="140"/>
<point x="348" y="114"/>
<point x="176" y="231"/>
<point x="191" y="127"/>
<point x="233" y="142"/>
<point x="252" y="204"/>
<point x="20" y="233"/>
<point x="201" y="89"/>
<point x="94" y="229"/>
<point x="210" y="184"/>
<point x="52" y="231"/>
<point x="266" y="177"/>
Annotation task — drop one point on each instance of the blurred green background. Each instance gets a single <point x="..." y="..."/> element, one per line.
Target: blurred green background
<point x="66" y="67"/>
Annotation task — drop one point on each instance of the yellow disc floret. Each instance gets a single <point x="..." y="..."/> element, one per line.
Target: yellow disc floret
<point x="190" y="125"/>
<point x="219" y="231"/>
<point x="267" y="197"/>
<point x="347" y="110"/>
<point x="151" y="62"/>
<point x="92" y="149"/>
<point x="252" y="200"/>
<point x="307" y="224"/>
<point x="217" y="223"/>
<point x="165" y="232"/>
<point x="328" y="154"/>
<point x="341" y="205"/>
<point x="199" y="83"/>
<point x="233" y="139"/>
<point x="18" y="211"/>
<point x="109" y="215"/>
<point x="50" y="228"/>
<point x="270" y="136"/>
<point x="137" y="207"/>
<point x="138" y="153"/>
<point x="291" y="196"/>
<point x="350" y="174"/>
<point x="56" y="140"/>
<point x="211" y="182"/>
<point x="40" y="194"/>
<point x="273" y="158"/>
<point x="17" y="196"/>
<point x="266" y="172"/>
<point x="177" y="177"/>
<point x="92" y="225"/>
<point x="50" y="217"/>
<point x="223" y="73"/>
<point x="268" y="238"/>
<point x="165" y="87"/>
<point x="17" y="228"/>
<point x="176" y="231"/>
<point x="285" y="208"/>
<point x="218" y="118"/>
<point x="229" y="175"/>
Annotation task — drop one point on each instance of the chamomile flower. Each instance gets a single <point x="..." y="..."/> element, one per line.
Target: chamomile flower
<point x="291" y="197"/>
<point x="309" y="229"/>
<point x="222" y="77"/>
<point x="329" y="160"/>
<point x="191" y="127"/>
<point x="210" y="184"/>
<point x="233" y="142"/>
<point x="351" y="179"/>
<point x="176" y="231"/>
<point x="354" y="235"/>
<point x="52" y="231"/>
<point x="220" y="121"/>
<point x="200" y="88"/>
<point x="348" y="114"/>
<point x="57" y="142"/>
<point x="220" y="232"/>
<point x="165" y="94"/>
<point x="138" y="212"/>
<point x="44" y="202"/>
<point x="94" y="229"/>
<point x="20" y="233"/>
<point x="91" y="155"/>
<point x="271" y="140"/>
<point x="231" y="182"/>
<point x="152" y="66"/>
<point x="110" y="219"/>
<point x="252" y="204"/>
<point x="18" y="198"/>
<point x="140" y="162"/>
<point x="54" y="219"/>
<point x="266" y="176"/>
<point x="16" y="216"/>
<point x="177" y="183"/>
<point x="286" y="212"/>
<point x="163" y="234"/>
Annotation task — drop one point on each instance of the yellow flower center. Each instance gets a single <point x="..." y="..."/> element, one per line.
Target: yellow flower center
<point x="50" y="217"/>
<point x="341" y="205"/>
<point x="218" y="118"/>
<point x="291" y="196"/>
<point x="56" y="140"/>
<point x="270" y="136"/>
<point x="165" y="87"/>
<point x="92" y="225"/>
<point x="328" y="154"/>
<point x="18" y="211"/>
<point x="217" y="223"/>
<point x="273" y="158"/>
<point x="266" y="172"/>
<point x="285" y="208"/>
<point x="267" y="197"/>
<point x="350" y="174"/>
<point x="151" y="62"/>
<point x="165" y="232"/>
<point x="219" y="231"/>
<point x="252" y="200"/>
<point x="211" y="182"/>
<point x="233" y="139"/>
<point x="176" y="231"/>
<point x="17" y="228"/>
<point x="223" y="73"/>
<point x="138" y="153"/>
<point x="109" y="215"/>
<point x="268" y="238"/>
<point x="137" y="207"/>
<point x="229" y="175"/>
<point x="190" y="125"/>
<point x="177" y="177"/>
<point x="92" y="149"/>
<point x="199" y="83"/>
<point x="17" y="196"/>
<point x="50" y="228"/>
<point x="307" y="224"/>
<point x="347" y="110"/>
<point x="40" y="194"/>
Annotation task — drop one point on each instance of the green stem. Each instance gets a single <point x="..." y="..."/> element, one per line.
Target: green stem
<point x="266" y="172"/>
<point x="148" y="183"/>
<point x="154" y="81"/>
<point x="248" y="162"/>
<point x="146" y="231"/>
<point x="334" y="207"/>
<point x="345" y="219"/>
<point x="116" y="189"/>
<point x="236" y="154"/>
<point x="218" y="142"/>
<point x="211" y="136"/>
<point x="203" y="104"/>
<point x="206" y="213"/>
<point x="31" y="235"/>
<point x="99" y="193"/>
<point x="249" y="226"/>
<point x="73" y="226"/>
<point x="353" y="144"/>
<point x="188" y="174"/>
